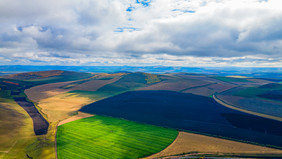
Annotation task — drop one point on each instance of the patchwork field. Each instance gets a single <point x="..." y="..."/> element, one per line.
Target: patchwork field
<point x="106" y="137"/>
<point x="59" y="95"/>
<point x="189" y="112"/>
<point x="128" y="82"/>
<point x="210" y="89"/>
<point x="176" y="84"/>
<point x="44" y="91"/>
<point x="40" y="92"/>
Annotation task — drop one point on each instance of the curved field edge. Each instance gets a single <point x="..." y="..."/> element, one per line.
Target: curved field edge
<point x="107" y="137"/>
<point x="194" y="144"/>
<point x="218" y="100"/>
<point x="171" y="109"/>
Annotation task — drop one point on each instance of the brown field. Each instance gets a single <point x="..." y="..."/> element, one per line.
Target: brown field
<point x="175" y="85"/>
<point x="210" y="89"/>
<point x="199" y="77"/>
<point x="188" y="142"/>
<point x="40" y="92"/>
<point x="80" y="115"/>
<point x="62" y="106"/>
<point x="44" y="91"/>
<point x="202" y="91"/>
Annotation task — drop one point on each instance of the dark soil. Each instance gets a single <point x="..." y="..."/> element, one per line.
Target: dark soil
<point x="40" y="124"/>
<point x="189" y="112"/>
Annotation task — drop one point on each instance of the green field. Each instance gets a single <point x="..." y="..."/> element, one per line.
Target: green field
<point x="106" y="137"/>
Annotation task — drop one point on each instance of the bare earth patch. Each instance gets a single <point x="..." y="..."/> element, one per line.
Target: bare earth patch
<point x="188" y="142"/>
<point x="80" y="115"/>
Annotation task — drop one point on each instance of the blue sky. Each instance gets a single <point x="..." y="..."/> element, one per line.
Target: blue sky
<point x="141" y="32"/>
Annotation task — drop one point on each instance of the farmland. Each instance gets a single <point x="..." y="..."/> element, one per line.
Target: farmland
<point x="185" y="112"/>
<point x="164" y="100"/>
<point x="40" y="124"/>
<point x="19" y="135"/>
<point x="272" y="91"/>
<point x="129" y="82"/>
<point x="271" y="108"/>
<point x="62" y="106"/>
<point x="105" y="137"/>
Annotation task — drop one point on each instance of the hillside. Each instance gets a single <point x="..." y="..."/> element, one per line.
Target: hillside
<point x="53" y="75"/>
<point x="129" y="82"/>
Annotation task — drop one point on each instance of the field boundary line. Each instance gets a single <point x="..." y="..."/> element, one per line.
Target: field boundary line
<point x="164" y="148"/>
<point x="195" y="87"/>
<point x="56" y="153"/>
<point x="6" y="152"/>
<point x="244" y="110"/>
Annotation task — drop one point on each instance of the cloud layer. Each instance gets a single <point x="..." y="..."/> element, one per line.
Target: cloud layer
<point x="141" y="32"/>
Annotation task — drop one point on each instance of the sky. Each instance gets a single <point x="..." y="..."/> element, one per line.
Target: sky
<point x="196" y="33"/>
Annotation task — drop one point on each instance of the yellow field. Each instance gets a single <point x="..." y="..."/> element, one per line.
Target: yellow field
<point x="62" y="106"/>
<point x="188" y="142"/>
<point x="44" y="91"/>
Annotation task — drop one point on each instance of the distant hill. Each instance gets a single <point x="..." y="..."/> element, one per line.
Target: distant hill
<point x="54" y="75"/>
<point x="255" y="72"/>
<point x="130" y="81"/>
<point x="15" y="84"/>
<point x="34" y="75"/>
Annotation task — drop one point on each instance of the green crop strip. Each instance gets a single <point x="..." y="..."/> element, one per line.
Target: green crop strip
<point x="106" y="137"/>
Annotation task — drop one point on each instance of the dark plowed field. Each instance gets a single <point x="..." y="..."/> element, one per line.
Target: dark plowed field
<point x="189" y="112"/>
<point x="40" y="125"/>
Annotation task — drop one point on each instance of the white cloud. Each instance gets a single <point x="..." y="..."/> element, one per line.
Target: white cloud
<point x="162" y="32"/>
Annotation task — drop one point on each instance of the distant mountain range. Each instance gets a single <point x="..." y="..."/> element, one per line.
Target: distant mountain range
<point x="273" y="73"/>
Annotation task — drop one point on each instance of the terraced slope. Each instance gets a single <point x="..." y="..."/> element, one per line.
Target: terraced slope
<point x="105" y="137"/>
